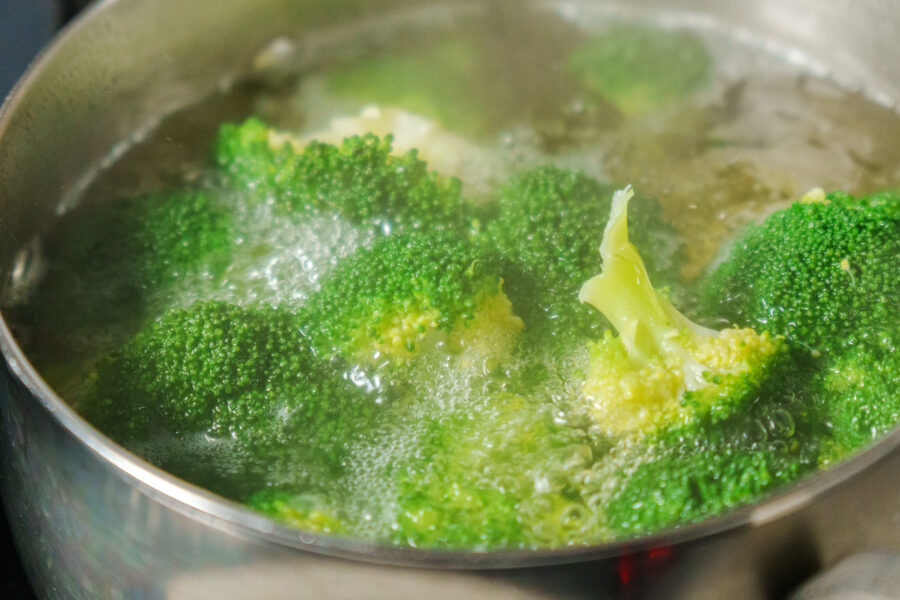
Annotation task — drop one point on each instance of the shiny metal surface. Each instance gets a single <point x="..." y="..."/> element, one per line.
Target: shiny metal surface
<point x="93" y="521"/>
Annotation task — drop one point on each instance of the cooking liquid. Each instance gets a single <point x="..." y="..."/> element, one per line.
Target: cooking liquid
<point x="759" y="135"/>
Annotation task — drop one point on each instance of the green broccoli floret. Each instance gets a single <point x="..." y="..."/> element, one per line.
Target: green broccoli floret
<point x="243" y="378"/>
<point x="116" y="262"/>
<point x="685" y="486"/>
<point x="496" y="473"/>
<point x="859" y="390"/>
<point x="640" y="68"/>
<point x="435" y="82"/>
<point x="361" y="179"/>
<point x="547" y="229"/>
<point x="410" y="291"/>
<point x="719" y="461"/>
<point x="823" y="272"/>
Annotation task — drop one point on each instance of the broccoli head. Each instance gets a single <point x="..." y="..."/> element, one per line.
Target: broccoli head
<point x="662" y="370"/>
<point x="116" y="262"/>
<point x="242" y="378"/>
<point x="639" y="68"/>
<point x="359" y="179"/>
<point x="859" y="389"/>
<point x="546" y="229"/>
<point x="498" y="472"/>
<point x="687" y="472"/>
<point x="495" y="470"/>
<point x="478" y="166"/>
<point x="410" y="291"/>
<point x="719" y="414"/>
<point x="821" y="272"/>
<point x="684" y="486"/>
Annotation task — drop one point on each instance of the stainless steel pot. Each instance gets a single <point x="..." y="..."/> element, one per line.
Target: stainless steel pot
<point x="93" y="521"/>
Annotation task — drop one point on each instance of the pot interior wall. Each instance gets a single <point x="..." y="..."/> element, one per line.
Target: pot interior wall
<point x="125" y="64"/>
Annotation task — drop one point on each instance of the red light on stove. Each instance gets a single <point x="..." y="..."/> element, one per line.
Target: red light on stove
<point x="629" y="566"/>
<point x="625" y="568"/>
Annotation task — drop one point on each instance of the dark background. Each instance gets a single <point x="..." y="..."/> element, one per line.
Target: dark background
<point x="26" y="26"/>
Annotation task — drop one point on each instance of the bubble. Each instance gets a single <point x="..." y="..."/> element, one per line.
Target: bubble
<point x="780" y="423"/>
<point x="281" y="257"/>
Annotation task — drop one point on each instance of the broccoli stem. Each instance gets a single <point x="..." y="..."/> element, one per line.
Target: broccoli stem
<point x="648" y="325"/>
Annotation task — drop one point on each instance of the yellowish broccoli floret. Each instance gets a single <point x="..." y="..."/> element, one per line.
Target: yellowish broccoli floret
<point x="399" y="333"/>
<point x="412" y="293"/>
<point x="402" y="334"/>
<point x="307" y="512"/>
<point x="662" y="369"/>
<point x="490" y="335"/>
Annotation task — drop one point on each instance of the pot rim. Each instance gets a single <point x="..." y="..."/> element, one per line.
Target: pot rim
<point x="235" y="518"/>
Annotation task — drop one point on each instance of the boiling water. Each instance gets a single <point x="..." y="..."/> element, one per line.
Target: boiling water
<point x="761" y="134"/>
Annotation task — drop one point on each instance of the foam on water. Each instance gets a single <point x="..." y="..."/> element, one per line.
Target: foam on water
<point x="279" y="258"/>
<point x="559" y="482"/>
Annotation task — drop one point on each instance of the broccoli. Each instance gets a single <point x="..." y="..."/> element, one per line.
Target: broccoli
<point x="639" y="68"/>
<point x="859" y="390"/>
<point x="497" y="472"/>
<point x="663" y="370"/>
<point x="684" y="486"/>
<point x="821" y="272"/>
<point x="360" y="179"/>
<point x="493" y="471"/>
<point x="717" y="411"/>
<point x="116" y="264"/>
<point x="240" y="377"/>
<point x="435" y="83"/>
<point x="547" y="231"/>
<point x="410" y="291"/>
<point x="310" y="512"/>
<point x="477" y="165"/>
<point x="711" y="464"/>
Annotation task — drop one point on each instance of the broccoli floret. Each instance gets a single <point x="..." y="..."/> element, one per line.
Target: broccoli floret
<point x="719" y="461"/>
<point x="498" y="472"/>
<point x="244" y="378"/>
<point x="716" y="410"/>
<point x="685" y="486"/>
<point x="310" y="512"/>
<point x="493" y="471"/>
<point x="546" y="228"/>
<point x="360" y="179"/>
<point x="639" y="68"/>
<point x="859" y="389"/>
<point x="692" y="376"/>
<point x="478" y="166"/>
<point x="410" y="291"/>
<point x="714" y="464"/>
<point x="822" y="272"/>
<point x="116" y="262"/>
<point x="663" y="370"/>
<point x="436" y="82"/>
